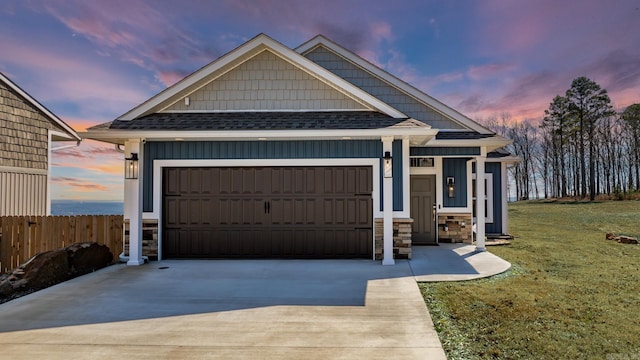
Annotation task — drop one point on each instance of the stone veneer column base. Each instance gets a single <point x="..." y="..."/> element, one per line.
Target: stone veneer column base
<point x="149" y="238"/>
<point x="455" y="228"/>
<point x="401" y="238"/>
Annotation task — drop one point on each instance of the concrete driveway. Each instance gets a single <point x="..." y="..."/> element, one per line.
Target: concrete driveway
<point x="258" y="309"/>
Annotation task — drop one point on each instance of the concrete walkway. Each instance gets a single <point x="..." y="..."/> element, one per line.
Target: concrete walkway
<point x="454" y="262"/>
<point x="252" y="309"/>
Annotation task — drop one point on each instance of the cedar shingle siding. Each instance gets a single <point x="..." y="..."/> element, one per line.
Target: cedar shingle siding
<point x="24" y="139"/>
<point x="267" y="82"/>
<point x="23" y="132"/>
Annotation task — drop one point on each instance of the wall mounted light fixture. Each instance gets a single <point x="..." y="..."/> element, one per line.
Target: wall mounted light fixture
<point x="451" y="186"/>
<point x="388" y="165"/>
<point x="131" y="167"/>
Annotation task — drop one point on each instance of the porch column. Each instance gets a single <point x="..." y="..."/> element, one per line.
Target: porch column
<point x="480" y="201"/>
<point x="387" y="221"/>
<point x="133" y="204"/>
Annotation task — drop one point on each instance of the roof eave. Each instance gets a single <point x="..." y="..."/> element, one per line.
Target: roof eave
<point x="418" y="134"/>
<point x="490" y="143"/>
<point x="36" y="104"/>
<point x="393" y="80"/>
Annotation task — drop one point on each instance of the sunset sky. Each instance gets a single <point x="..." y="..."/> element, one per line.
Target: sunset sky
<point x="91" y="61"/>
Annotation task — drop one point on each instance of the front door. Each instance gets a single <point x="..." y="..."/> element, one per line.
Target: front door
<point x="423" y="196"/>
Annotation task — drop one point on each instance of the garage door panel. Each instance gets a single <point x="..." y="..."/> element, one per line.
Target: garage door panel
<point x="310" y="181"/>
<point x="310" y="210"/>
<point x="271" y="212"/>
<point x="339" y="208"/>
<point x="365" y="206"/>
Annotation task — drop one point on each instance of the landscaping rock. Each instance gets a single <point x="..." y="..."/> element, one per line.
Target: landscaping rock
<point x="52" y="267"/>
<point x="627" y="240"/>
<point x="6" y="289"/>
<point x="42" y="270"/>
<point x="621" y="238"/>
<point x="87" y="257"/>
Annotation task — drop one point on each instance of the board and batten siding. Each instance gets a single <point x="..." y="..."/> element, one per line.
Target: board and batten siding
<point x="22" y="193"/>
<point x="379" y="88"/>
<point x="318" y="149"/>
<point x="24" y="132"/>
<point x="456" y="168"/>
<point x="266" y="82"/>
<point x="444" y="151"/>
<point x="496" y="226"/>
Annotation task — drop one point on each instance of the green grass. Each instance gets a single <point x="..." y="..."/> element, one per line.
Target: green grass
<point x="570" y="294"/>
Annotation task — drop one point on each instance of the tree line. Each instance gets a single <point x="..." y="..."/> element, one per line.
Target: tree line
<point x="582" y="147"/>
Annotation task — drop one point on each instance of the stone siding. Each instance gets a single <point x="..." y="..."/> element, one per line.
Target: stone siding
<point x="401" y="238"/>
<point x="149" y="238"/>
<point x="455" y="228"/>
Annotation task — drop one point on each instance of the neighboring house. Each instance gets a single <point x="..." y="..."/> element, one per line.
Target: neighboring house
<point x="269" y="152"/>
<point x="28" y="132"/>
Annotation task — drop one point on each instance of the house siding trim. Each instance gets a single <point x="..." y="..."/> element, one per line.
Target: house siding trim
<point x="158" y="165"/>
<point x="276" y="150"/>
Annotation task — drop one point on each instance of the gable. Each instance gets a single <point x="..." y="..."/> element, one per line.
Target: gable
<point x="18" y="106"/>
<point x="380" y="89"/>
<point x="266" y="82"/>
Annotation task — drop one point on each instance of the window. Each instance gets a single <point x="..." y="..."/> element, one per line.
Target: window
<point x="488" y="202"/>
<point x="421" y="162"/>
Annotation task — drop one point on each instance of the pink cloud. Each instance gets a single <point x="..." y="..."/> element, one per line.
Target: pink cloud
<point x="79" y="185"/>
<point x="70" y="79"/>
<point x="170" y="77"/>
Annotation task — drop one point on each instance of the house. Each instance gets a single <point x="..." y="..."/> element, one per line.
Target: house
<point x="28" y="134"/>
<point x="313" y="152"/>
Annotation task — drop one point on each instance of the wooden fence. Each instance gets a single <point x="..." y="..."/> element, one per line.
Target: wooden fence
<point x="21" y="237"/>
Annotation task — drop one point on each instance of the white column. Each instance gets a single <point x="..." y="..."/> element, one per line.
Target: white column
<point x="387" y="259"/>
<point x="480" y="201"/>
<point x="133" y="204"/>
<point x="505" y="195"/>
<point x="47" y="210"/>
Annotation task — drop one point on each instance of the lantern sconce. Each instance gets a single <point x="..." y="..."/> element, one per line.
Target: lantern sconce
<point x="131" y="167"/>
<point x="388" y="166"/>
<point x="451" y="186"/>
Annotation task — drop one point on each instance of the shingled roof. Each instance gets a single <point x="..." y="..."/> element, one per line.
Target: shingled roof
<point x="258" y="121"/>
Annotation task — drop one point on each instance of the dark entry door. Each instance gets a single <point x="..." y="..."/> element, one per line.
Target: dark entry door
<point x="423" y="195"/>
<point x="267" y="212"/>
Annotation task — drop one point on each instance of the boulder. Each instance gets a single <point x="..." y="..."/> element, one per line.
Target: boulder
<point x="52" y="267"/>
<point x="6" y="289"/>
<point x="41" y="271"/>
<point x="87" y="257"/>
<point x="627" y="240"/>
<point x="623" y="239"/>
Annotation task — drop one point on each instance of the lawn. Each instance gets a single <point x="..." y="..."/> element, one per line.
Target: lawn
<point x="570" y="294"/>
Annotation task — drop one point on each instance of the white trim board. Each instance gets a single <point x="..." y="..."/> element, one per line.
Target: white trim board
<point x="158" y="165"/>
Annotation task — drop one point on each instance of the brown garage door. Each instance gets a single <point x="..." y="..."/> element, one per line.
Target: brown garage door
<point x="267" y="212"/>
